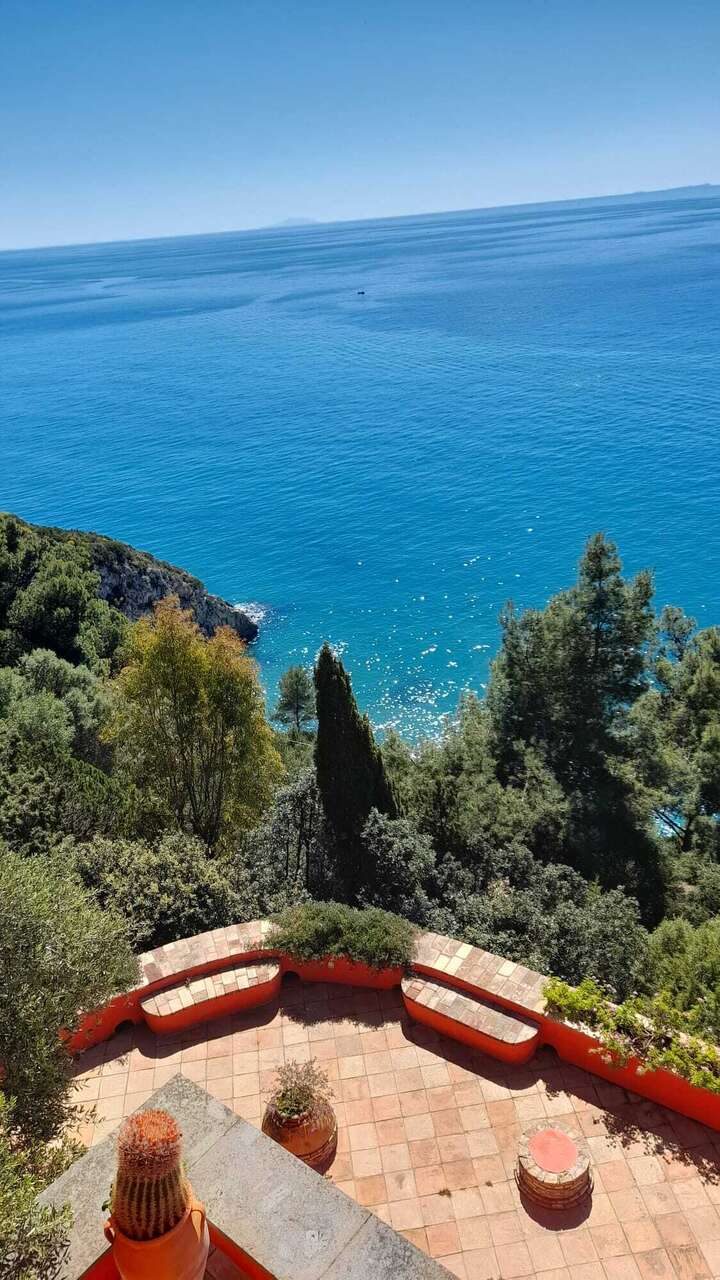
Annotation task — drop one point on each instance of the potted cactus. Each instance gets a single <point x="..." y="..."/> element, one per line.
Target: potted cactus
<point x="156" y="1227"/>
<point x="298" y="1115"/>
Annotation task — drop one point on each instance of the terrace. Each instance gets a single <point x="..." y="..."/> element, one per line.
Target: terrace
<point x="429" y="1131"/>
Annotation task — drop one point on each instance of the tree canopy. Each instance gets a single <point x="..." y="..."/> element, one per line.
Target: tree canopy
<point x="295" y="707"/>
<point x="61" y="955"/>
<point x="189" y="722"/>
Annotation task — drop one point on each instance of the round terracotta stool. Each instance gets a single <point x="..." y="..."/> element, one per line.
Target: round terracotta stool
<point x="553" y="1165"/>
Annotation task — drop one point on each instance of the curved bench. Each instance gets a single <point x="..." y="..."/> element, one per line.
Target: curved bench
<point x="241" y="986"/>
<point x="470" y="1018"/>
<point x="464" y="992"/>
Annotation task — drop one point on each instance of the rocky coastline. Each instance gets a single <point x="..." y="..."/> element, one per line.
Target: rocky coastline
<point x="134" y="581"/>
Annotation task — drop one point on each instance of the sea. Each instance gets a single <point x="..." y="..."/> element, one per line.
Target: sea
<point x="375" y="433"/>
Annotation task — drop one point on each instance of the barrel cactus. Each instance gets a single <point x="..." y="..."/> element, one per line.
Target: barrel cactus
<point x="151" y="1192"/>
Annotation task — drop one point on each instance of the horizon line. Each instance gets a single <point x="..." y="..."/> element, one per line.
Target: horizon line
<point x="311" y="224"/>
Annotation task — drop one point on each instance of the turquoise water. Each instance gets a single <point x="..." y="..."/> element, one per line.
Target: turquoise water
<point x="382" y="470"/>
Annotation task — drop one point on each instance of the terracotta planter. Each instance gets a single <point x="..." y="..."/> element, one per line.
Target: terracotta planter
<point x="312" y="1138"/>
<point x="179" y="1254"/>
<point x="338" y="969"/>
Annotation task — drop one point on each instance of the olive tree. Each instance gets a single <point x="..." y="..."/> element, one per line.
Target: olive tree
<point x="61" y="956"/>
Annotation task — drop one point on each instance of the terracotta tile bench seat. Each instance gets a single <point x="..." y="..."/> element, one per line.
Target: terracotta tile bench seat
<point x="480" y="971"/>
<point x="205" y="951"/>
<point x="242" y="986"/>
<point x="470" y="1018"/>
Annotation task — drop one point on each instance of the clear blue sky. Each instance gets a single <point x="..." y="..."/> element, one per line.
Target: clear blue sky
<point x="126" y="118"/>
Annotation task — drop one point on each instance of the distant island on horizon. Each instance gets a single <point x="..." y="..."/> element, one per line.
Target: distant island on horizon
<point x="289" y="224"/>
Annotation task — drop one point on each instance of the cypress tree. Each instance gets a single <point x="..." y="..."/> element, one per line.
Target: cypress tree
<point x="350" y="771"/>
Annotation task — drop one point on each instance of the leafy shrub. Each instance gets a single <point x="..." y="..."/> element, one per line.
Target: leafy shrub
<point x="397" y="862"/>
<point x="317" y="930"/>
<point x="300" y="1088"/>
<point x="685" y="963"/>
<point x="165" y="891"/>
<point x="61" y="956"/>
<point x="543" y="915"/>
<point x="700" y="902"/>
<point x="33" y="1240"/>
<point x="49" y="597"/>
<point x="652" y="1031"/>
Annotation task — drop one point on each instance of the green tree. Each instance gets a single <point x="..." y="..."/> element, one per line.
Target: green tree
<point x="398" y="863"/>
<point x="33" y="1240"/>
<point x="678" y="723"/>
<point x="450" y="788"/>
<point x="189" y="723"/>
<point x="61" y="956"/>
<point x="47" y="795"/>
<point x="56" y="707"/>
<point x="349" y="765"/>
<point x="563" y="687"/>
<point x="544" y="916"/>
<point x="684" y="963"/>
<point x="295" y="708"/>
<point x="164" y="891"/>
<point x="31" y="784"/>
<point x="700" y="900"/>
<point x="292" y="837"/>
<point x="59" y="609"/>
<point x="567" y="676"/>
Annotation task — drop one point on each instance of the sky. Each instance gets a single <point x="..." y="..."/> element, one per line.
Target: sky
<point x="140" y="118"/>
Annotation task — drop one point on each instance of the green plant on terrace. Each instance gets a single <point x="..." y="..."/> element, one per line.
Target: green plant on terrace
<point x="320" y="930"/>
<point x="300" y="1088"/>
<point x="651" y="1033"/>
<point x="33" y="1240"/>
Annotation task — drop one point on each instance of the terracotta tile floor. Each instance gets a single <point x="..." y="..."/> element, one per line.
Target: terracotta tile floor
<point x="428" y="1136"/>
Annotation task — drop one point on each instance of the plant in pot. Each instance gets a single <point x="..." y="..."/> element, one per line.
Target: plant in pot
<point x="299" y="1116"/>
<point x="157" y="1228"/>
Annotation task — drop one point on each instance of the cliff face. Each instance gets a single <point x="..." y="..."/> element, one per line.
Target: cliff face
<point x="133" y="581"/>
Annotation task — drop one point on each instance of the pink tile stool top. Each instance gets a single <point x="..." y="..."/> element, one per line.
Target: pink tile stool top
<point x="553" y="1165"/>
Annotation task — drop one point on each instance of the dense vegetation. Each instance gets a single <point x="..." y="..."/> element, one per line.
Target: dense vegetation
<point x="652" y="1033"/>
<point x="569" y="820"/>
<point x="318" y="930"/>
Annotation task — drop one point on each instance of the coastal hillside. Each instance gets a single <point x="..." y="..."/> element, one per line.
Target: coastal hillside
<point x="568" y="821"/>
<point x="133" y="581"/>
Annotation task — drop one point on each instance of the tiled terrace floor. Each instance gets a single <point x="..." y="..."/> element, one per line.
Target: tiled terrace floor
<point x="428" y="1134"/>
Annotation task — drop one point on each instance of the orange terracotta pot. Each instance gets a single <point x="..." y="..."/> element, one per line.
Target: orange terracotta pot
<point x="351" y="973"/>
<point x="179" y="1254"/>
<point x="312" y="1138"/>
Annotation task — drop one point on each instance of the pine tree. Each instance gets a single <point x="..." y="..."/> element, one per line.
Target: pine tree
<point x="567" y="676"/>
<point x="295" y="707"/>
<point x="350" y="771"/>
<point x="562" y="690"/>
<point x="679" y="724"/>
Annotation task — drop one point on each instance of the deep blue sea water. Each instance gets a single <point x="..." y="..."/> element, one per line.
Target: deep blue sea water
<point x="382" y="470"/>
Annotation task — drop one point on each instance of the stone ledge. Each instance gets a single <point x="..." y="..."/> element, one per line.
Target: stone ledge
<point x="293" y="1223"/>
